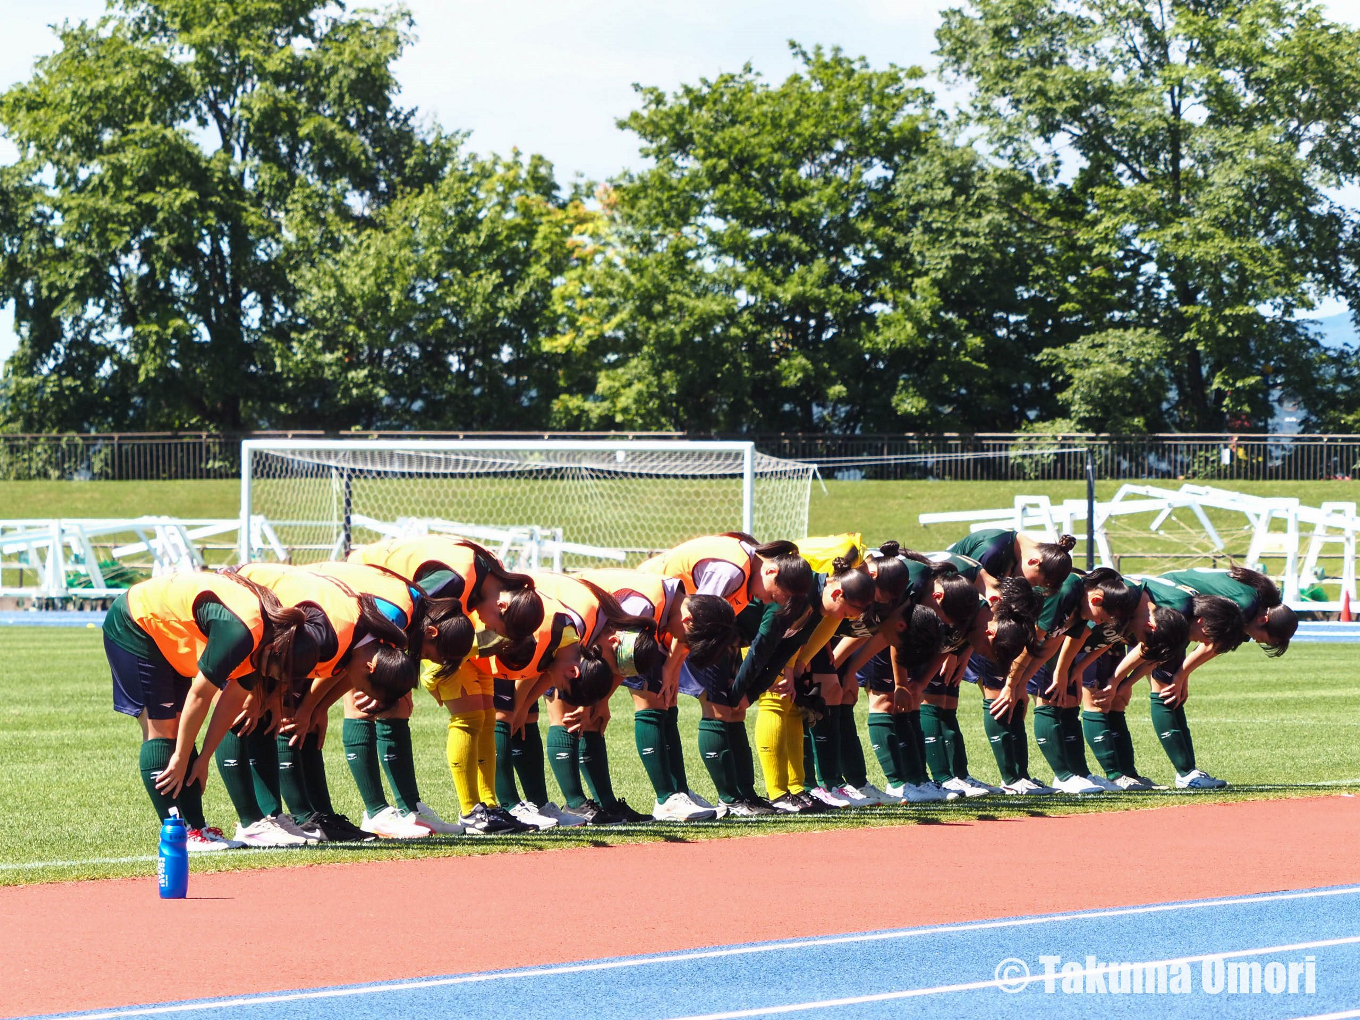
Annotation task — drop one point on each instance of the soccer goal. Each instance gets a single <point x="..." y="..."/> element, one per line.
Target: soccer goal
<point x="584" y="501"/>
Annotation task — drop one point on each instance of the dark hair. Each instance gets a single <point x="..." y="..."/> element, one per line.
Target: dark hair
<point x="647" y="652"/>
<point x="594" y="681"/>
<point x="614" y="613"/>
<point x="960" y="602"/>
<point x="517" y="654"/>
<point x="1055" y="561"/>
<point x="1281" y="622"/>
<point x="891" y="574"/>
<point x="394" y="674"/>
<point x="1014" y="634"/>
<point x="1120" y="599"/>
<point x="1017" y="599"/>
<point x="1221" y="620"/>
<point x="1170" y="637"/>
<point x="454" y="631"/>
<point x="856" y="584"/>
<point x="1267" y="595"/>
<point x="793" y="573"/>
<point x="524" y="614"/>
<point x="280" y="630"/>
<point x="921" y="637"/>
<point x="712" y="629"/>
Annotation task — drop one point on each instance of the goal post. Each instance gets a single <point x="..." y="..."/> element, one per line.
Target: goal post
<point x="623" y="497"/>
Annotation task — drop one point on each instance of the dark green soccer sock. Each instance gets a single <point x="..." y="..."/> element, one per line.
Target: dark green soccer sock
<point x="649" y="733"/>
<point x="809" y="759"/>
<point x="398" y="761"/>
<point x="853" y="769"/>
<point x="1074" y="746"/>
<point x="1019" y="741"/>
<point x="264" y="768"/>
<point x="361" y="754"/>
<point x="1169" y="723"/>
<point x="884" y="740"/>
<point x="826" y="745"/>
<point x="314" y="774"/>
<point x="564" y="752"/>
<point x="1103" y="742"/>
<point x="594" y="761"/>
<point x="676" y="750"/>
<point x="1001" y="738"/>
<point x="910" y="747"/>
<point x="506" y="792"/>
<point x="526" y="751"/>
<point x="190" y="799"/>
<point x="1123" y="742"/>
<point x="152" y="759"/>
<point x="937" y="747"/>
<point x="958" y="753"/>
<point x="233" y="765"/>
<point x="293" y="780"/>
<point x="717" y="758"/>
<point x="743" y="764"/>
<point x="1049" y="737"/>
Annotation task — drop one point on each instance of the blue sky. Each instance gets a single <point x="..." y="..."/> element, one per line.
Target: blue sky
<point x="551" y="77"/>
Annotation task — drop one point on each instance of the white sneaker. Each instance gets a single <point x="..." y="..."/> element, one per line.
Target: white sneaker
<point x="392" y="824"/>
<point x="827" y="797"/>
<point x="1033" y="788"/>
<point x="737" y="809"/>
<point x="978" y="784"/>
<point x="1075" y="784"/>
<point x="529" y="813"/>
<point x="1129" y="783"/>
<point x="851" y="795"/>
<point x="679" y="808"/>
<point x="286" y="823"/>
<point x="694" y="798"/>
<point x="266" y="833"/>
<point x="933" y="787"/>
<point x="215" y="834"/>
<point x="1108" y="785"/>
<point x="429" y="817"/>
<point x="1198" y="780"/>
<point x="962" y="786"/>
<point x="564" y="818"/>
<point x="873" y="796"/>
<point x="923" y="793"/>
<point x="198" y="841"/>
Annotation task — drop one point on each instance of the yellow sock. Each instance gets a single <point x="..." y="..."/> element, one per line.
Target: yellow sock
<point x="769" y="745"/>
<point x="486" y="758"/>
<point x="793" y="746"/>
<point x="462" y="755"/>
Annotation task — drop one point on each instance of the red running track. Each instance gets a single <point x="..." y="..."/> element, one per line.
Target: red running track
<point x="87" y="945"/>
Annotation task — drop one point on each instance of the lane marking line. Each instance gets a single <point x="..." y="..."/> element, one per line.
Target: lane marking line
<point x="710" y="954"/>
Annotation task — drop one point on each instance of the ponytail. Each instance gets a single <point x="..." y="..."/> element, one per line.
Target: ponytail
<point x="793" y="574"/>
<point x="524" y="615"/>
<point x="1267" y="595"/>
<point x="1281" y="622"/>
<point x="890" y="571"/>
<point x="280" y="630"/>
<point x="856" y="585"/>
<point x="1055" y="560"/>
<point x="1118" y="597"/>
<point x="1221" y="620"/>
<point x="394" y="674"/>
<point x="921" y="637"/>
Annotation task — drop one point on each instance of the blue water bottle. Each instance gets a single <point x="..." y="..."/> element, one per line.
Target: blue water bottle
<point x="172" y="864"/>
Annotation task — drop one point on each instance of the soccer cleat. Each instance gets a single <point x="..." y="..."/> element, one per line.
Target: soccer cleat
<point x="312" y="829"/>
<point x="680" y="808"/>
<point x="392" y="824"/>
<point x="339" y="829"/>
<point x="286" y="823"/>
<point x="851" y="795"/>
<point x="597" y="814"/>
<point x="1075" y="784"/>
<point x="481" y="821"/>
<point x="197" y="841"/>
<point x="1198" y="780"/>
<point x="1129" y="783"/>
<point x="1108" y="785"/>
<point x="828" y="798"/>
<point x="266" y="833"/>
<point x="629" y="815"/>
<point x="1144" y="783"/>
<point x="566" y="819"/>
<point x="873" y="796"/>
<point x="428" y="817"/>
<point x="529" y="814"/>
<point x="959" y="785"/>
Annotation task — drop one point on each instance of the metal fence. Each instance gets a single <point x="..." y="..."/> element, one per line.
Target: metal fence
<point x="965" y="457"/>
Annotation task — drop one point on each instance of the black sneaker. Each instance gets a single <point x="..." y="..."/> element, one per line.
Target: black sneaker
<point x="596" y="814"/>
<point x="809" y="805"/>
<point x="629" y="815"/>
<point x="500" y="814"/>
<point x="339" y="829"/>
<point x="481" y="822"/>
<point x="761" y="806"/>
<point x="312" y="829"/>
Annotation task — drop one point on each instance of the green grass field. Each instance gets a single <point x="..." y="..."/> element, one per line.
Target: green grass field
<point x="68" y="763"/>
<point x="74" y="797"/>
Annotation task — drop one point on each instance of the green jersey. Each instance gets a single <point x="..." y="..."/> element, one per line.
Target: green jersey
<point x="1217" y="582"/>
<point x="966" y="565"/>
<point x="1061" y="605"/>
<point x="1166" y="594"/>
<point x="994" y="548"/>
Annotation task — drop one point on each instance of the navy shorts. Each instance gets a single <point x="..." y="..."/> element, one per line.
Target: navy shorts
<point x="140" y="684"/>
<point x="650" y="683"/>
<point x="1099" y="672"/>
<point x="503" y="697"/>
<point x="938" y="687"/>
<point x="1042" y="678"/>
<point x="983" y="672"/>
<point x="821" y="664"/>
<point x="877" y="673"/>
<point x="713" y="683"/>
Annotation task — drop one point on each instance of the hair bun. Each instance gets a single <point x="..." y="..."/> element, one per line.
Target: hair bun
<point x="890" y="548"/>
<point x="840" y="565"/>
<point x="1067" y="541"/>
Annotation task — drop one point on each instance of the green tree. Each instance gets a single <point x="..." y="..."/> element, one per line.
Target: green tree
<point x="176" y="161"/>
<point x="1198" y="141"/>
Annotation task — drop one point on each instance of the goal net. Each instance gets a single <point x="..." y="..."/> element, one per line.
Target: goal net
<point x="578" y="502"/>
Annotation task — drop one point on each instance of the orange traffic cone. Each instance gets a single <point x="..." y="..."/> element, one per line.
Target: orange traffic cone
<point x="1345" y="607"/>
